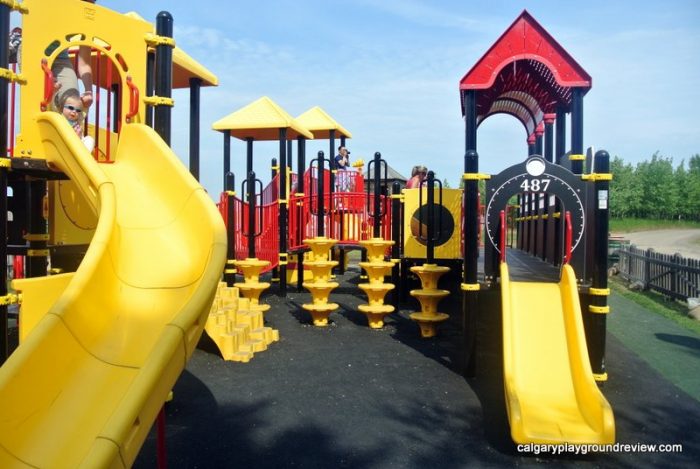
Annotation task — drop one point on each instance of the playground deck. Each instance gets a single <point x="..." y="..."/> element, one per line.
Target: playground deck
<point x="349" y="396"/>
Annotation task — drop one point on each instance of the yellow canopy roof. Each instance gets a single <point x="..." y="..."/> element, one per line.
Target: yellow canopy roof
<point x="320" y="123"/>
<point x="261" y="120"/>
<point x="184" y="66"/>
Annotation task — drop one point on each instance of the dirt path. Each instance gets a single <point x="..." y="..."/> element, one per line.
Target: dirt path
<point x="684" y="242"/>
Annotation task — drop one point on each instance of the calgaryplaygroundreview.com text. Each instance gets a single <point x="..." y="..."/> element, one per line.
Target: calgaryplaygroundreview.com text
<point x="535" y="448"/>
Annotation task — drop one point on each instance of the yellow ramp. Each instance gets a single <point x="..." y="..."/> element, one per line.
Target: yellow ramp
<point x="86" y="385"/>
<point x="551" y="396"/>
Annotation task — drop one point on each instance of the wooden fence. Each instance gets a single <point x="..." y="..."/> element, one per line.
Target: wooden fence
<point x="671" y="274"/>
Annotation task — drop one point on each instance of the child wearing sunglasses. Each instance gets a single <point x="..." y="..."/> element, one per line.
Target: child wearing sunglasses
<point x="71" y="106"/>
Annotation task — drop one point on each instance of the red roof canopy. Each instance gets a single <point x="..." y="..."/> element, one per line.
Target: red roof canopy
<point x="525" y="73"/>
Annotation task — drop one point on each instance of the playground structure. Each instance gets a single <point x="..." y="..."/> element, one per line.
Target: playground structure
<point x="102" y="343"/>
<point x="560" y="217"/>
<point x="110" y="254"/>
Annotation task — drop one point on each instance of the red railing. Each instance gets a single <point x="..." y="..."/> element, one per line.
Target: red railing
<point x="345" y="181"/>
<point x="502" y="235"/>
<point x="568" y="236"/>
<point x="266" y="221"/>
<point x="271" y="191"/>
<point x="346" y="219"/>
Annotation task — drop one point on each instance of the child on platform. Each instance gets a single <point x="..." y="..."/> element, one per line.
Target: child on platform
<point x="71" y="106"/>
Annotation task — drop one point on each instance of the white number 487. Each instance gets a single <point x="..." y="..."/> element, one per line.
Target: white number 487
<point x="535" y="185"/>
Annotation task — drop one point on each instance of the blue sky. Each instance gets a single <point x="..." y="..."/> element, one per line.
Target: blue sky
<point x="388" y="71"/>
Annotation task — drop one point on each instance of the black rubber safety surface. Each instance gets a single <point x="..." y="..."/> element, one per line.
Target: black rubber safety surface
<point x="352" y="397"/>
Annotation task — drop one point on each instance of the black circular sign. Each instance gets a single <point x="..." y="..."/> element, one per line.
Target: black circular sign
<point x="535" y="176"/>
<point x="444" y="224"/>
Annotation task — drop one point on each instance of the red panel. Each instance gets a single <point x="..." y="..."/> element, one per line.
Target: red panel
<point x="525" y="39"/>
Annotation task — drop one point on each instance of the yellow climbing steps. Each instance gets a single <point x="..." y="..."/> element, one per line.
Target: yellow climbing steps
<point x="236" y="326"/>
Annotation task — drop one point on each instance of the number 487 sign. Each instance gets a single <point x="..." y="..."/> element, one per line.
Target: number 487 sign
<point x="535" y="185"/>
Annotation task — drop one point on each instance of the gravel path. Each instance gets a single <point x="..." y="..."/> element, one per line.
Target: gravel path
<point x="685" y="242"/>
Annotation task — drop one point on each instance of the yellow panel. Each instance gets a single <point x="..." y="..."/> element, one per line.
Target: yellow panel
<point x="128" y="319"/>
<point x="72" y="23"/>
<point x="451" y="248"/>
<point x="551" y="396"/>
<point x="38" y="295"/>
<point x="319" y="123"/>
<point x="261" y="120"/>
<point x="71" y="219"/>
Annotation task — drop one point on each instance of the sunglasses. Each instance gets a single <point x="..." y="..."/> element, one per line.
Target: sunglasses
<point x="73" y="108"/>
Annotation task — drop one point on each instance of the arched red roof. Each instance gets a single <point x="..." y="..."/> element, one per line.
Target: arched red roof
<point x="525" y="73"/>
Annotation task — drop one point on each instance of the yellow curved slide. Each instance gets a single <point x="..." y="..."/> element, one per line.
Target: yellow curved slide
<point x="551" y="396"/>
<point x="86" y="385"/>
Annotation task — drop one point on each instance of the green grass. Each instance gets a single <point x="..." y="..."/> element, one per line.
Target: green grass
<point x="673" y="310"/>
<point x="627" y="225"/>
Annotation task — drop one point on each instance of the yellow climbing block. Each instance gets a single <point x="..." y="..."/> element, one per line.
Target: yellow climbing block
<point x="429" y="296"/>
<point x="251" y="287"/>
<point x="237" y="327"/>
<point x="320" y="286"/>
<point x="377" y="268"/>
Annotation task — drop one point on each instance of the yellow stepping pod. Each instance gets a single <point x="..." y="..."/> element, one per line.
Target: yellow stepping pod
<point x="377" y="268"/>
<point x="321" y="285"/>
<point x="251" y="287"/>
<point x="429" y="296"/>
<point x="237" y="330"/>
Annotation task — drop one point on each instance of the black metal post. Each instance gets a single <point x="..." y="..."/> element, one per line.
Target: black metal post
<point x="283" y="215"/>
<point x="560" y="131"/>
<point x="37" y="254"/>
<point x="470" y="120"/>
<point x="250" y="195"/>
<point x="559" y="152"/>
<point x="116" y="107"/>
<point x="164" y="76"/>
<point x="320" y="195"/>
<point x="599" y="302"/>
<point x="396" y="237"/>
<point x="577" y="129"/>
<point x="4" y="59"/>
<point x="274" y="171"/>
<point x="273" y="168"/>
<point x="230" y="271"/>
<point x="248" y="154"/>
<point x="289" y="156"/>
<point x="377" y="215"/>
<point x="471" y="257"/>
<point x="227" y="154"/>
<point x="531" y="145"/>
<point x="430" y="223"/>
<point x="471" y="241"/>
<point x="549" y="222"/>
<point x="301" y="167"/>
<point x="301" y="163"/>
<point x="195" y="87"/>
<point x="333" y="168"/>
<point x="549" y="137"/>
<point x="539" y="147"/>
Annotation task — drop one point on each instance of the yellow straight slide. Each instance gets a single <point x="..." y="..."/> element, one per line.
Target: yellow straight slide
<point x="551" y="396"/>
<point x="86" y="385"/>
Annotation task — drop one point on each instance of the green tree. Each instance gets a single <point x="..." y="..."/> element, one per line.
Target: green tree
<point x="692" y="188"/>
<point x="622" y="190"/>
<point x="680" y="201"/>
<point x="654" y="181"/>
